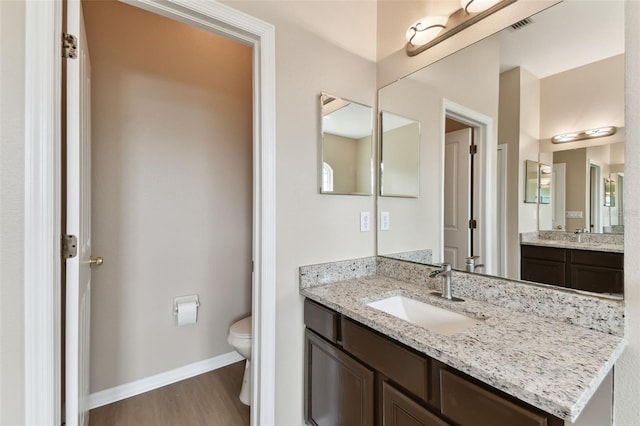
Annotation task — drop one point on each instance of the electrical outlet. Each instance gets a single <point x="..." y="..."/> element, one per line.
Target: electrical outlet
<point x="384" y="221"/>
<point x="365" y="222"/>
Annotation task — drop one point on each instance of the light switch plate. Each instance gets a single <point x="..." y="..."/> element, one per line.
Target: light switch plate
<point x="384" y="221"/>
<point x="365" y="222"/>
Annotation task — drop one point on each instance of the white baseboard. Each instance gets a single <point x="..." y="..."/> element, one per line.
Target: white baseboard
<point x="156" y="381"/>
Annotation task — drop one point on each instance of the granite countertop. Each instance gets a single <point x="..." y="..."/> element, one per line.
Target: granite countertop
<point x="551" y="365"/>
<point x="612" y="248"/>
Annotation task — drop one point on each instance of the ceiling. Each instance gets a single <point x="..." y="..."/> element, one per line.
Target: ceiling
<point x="565" y="36"/>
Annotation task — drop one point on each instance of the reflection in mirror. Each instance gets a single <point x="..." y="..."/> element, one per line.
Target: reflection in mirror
<point x="562" y="71"/>
<point x="531" y="182"/>
<point x="579" y="198"/>
<point x="546" y="179"/>
<point x="346" y="163"/>
<point x="400" y="156"/>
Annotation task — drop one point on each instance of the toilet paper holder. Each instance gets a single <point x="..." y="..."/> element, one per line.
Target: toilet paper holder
<point x="184" y="299"/>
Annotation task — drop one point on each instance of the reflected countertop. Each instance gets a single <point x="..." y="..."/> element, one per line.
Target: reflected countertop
<point x="592" y="246"/>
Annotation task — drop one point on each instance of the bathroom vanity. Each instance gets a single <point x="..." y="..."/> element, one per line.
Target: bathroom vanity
<point x="593" y="265"/>
<point x="364" y="366"/>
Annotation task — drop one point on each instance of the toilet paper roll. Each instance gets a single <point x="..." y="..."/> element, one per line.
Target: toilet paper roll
<point x="187" y="313"/>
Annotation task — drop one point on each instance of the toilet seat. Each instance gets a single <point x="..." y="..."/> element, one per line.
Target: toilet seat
<point x="241" y="329"/>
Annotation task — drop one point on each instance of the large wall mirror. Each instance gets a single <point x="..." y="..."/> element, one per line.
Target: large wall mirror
<point x="346" y="145"/>
<point x="487" y="109"/>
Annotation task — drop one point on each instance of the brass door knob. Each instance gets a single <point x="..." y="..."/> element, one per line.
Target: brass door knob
<point x="96" y="262"/>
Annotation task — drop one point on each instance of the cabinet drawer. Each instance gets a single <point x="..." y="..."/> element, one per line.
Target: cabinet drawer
<point x="468" y="404"/>
<point x="547" y="253"/>
<point x="322" y="320"/>
<point x="400" y="365"/>
<point x="597" y="258"/>
<point x="400" y="410"/>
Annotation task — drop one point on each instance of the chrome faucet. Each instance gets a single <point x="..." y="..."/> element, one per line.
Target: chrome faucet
<point x="445" y="272"/>
<point x="470" y="264"/>
<point x="579" y="233"/>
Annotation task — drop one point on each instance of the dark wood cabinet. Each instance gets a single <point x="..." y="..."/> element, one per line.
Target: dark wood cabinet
<point x="339" y="390"/>
<point x="400" y="410"/>
<point x="544" y="265"/>
<point x="595" y="271"/>
<point x="357" y="376"/>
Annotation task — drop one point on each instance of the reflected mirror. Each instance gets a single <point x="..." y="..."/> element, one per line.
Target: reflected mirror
<point x="560" y="71"/>
<point x="531" y="182"/>
<point x="399" y="156"/>
<point x="545" y="183"/>
<point x="347" y="147"/>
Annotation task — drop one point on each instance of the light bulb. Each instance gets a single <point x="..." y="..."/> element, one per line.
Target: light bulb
<point x="426" y="29"/>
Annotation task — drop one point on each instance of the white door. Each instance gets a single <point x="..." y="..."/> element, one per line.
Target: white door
<point x="78" y="193"/>
<point x="456" y="197"/>
<point x="558" y="183"/>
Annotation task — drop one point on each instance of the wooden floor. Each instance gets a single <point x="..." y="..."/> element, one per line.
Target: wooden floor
<point x="210" y="399"/>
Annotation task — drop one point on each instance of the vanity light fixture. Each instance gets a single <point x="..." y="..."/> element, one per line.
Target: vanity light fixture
<point x="475" y="6"/>
<point x="431" y="30"/>
<point x="426" y="29"/>
<point x="585" y="134"/>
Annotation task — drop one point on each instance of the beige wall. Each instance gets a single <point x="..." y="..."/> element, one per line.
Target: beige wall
<point x="416" y="224"/>
<point x="583" y="98"/>
<point x="401" y="174"/>
<point x="576" y="184"/>
<point x="341" y="154"/>
<point x="509" y="134"/>
<point x="529" y="147"/>
<point x="172" y="185"/>
<point x="292" y="250"/>
<point x="12" y="42"/>
<point x="311" y="227"/>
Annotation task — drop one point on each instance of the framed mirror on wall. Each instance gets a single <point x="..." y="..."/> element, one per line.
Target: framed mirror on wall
<point x="561" y="71"/>
<point x="346" y="144"/>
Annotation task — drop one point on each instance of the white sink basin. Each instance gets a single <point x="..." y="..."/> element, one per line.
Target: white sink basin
<point x="431" y="317"/>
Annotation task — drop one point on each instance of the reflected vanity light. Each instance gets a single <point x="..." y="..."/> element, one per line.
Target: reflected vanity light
<point x="585" y="134"/>
<point x="426" y="29"/>
<point x="431" y="30"/>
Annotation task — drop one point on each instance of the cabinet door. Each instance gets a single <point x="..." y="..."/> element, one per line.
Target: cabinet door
<point x="600" y="272"/>
<point x="400" y="410"/>
<point x="468" y="404"/>
<point x="338" y="389"/>
<point x="544" y="265"/>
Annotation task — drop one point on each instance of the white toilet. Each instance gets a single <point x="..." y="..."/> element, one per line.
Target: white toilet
<point x="240" y="339"/>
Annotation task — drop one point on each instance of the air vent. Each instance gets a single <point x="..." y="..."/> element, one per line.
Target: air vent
<point x="521" y="24"/>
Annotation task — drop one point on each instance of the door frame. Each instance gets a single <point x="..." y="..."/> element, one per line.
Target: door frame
<point x="42" y="265"/>
<point x="485" y="176"/>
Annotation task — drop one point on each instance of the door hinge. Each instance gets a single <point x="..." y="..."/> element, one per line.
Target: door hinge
<point x="473" y="149"/>
<point x="69" y="246"/>
<point x="472" y="224"/>
<point x="69" y="46"/>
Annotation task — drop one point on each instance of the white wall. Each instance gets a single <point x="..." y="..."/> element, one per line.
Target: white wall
<point x="12" y="42"/>
<point x="627" y="370"/>
<point x="172" y="190"/>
